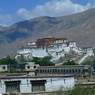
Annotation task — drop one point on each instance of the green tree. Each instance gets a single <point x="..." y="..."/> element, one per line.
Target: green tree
<point x="43" y="61"/>
<point x="10" y="62"/>
<point x="7" y="60"/>
<point x="70" y="62"/>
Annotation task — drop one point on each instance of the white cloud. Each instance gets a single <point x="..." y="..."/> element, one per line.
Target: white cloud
<point x="24" y="12"/>
<point x="6" y="19"/>
<point x="53" y="8"/>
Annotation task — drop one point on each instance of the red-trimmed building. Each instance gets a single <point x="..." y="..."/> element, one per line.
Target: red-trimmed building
<point x="47" y="42"/>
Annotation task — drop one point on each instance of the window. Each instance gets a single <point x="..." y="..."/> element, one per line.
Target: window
<point x="12" y="86"/>
<point x="4" y="67"/>
<point x="38" y="86"/>
<point x="34" y="67"/>
<point x="28" y="67"/>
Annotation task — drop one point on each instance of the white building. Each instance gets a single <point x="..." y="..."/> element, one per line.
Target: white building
<point x="32" y="44"/>
<point x="57" y="50"/>
<point x="39" y="52"/>
<point x="25" y="53"/>
<point x="30" y="85"/>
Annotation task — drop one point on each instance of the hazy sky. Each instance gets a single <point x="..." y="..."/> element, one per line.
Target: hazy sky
<point x="12" y="11"/>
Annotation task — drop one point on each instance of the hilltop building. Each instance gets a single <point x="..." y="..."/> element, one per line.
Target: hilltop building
<point x="24" y="54"/>
<point x="57" y="48"/>
<point x="32" y="44"/>
<point x="47" y="42"/>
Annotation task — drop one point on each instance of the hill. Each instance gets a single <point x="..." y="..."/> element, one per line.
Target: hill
<point x="76" y="27"/>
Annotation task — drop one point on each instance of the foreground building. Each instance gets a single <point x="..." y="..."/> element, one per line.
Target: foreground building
<point x="31" y="80"/>
<point x="28" y="84"/>
<point x="35" y="79"/>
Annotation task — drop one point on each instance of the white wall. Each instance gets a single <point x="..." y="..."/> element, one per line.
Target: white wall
<point x="56" y="84"/>
<point x="52" y="84"/>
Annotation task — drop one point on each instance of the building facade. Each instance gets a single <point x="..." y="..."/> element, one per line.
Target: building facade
<point x="34" y="84"/>
<point x="47" y="42"/>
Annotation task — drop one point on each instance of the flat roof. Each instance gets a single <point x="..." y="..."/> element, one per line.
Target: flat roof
<point x="36" y="77"/>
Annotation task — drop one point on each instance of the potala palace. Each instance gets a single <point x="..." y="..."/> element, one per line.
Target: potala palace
<point x="60" y="50"/>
